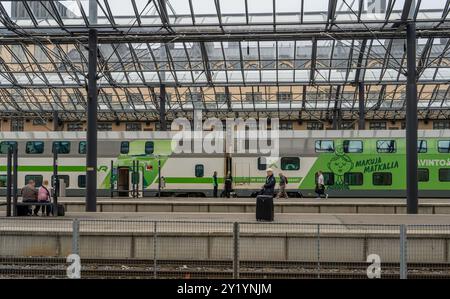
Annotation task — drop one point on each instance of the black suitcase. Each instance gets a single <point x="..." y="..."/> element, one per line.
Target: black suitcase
<point x="61" y="210"/>
<point x="264" y="208"/>
<point x="22" y="210"/>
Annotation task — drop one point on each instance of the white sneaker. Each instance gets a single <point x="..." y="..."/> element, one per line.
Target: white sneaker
<point x="326" y="196"/>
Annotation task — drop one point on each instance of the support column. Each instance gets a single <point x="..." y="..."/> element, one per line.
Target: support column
<point x="8" y="181"/>
<point x="55" y="179"/>
<point x="55" y="121"/>
<point x="335" y="119"/>
<point x="411" y="121"/>
<point x="93" y="12"/>
<point x="14" y="180"/>
<point x="362" y="117"/>
<point x="91" y="154"/>
<point x="162" y="108"/>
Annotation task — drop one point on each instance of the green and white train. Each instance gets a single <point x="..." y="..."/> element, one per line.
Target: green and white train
<point x="354" y="163"/>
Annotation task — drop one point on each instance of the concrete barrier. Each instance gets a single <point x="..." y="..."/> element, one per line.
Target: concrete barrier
<point x="334" y="247"/>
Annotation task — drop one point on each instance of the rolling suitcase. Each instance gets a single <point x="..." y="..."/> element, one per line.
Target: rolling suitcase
<point x="22" y="210"/>
<point x="264" y="208"/>
<point x="61" y="210"/>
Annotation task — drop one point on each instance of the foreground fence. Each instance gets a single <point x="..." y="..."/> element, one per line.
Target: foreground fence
<point x="63" y="248"/>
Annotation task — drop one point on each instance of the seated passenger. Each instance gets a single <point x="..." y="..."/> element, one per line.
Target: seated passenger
<point x="29" y="194"/>
<point x="44" y="197"/>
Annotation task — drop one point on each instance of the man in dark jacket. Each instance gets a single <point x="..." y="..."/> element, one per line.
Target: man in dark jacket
<point x="269" y="186"/>
<point x="215" y="184"/>
<point x="228" y="185"/>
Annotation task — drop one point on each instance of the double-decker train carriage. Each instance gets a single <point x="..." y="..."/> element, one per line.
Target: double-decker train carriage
<point x="354" y="163"/>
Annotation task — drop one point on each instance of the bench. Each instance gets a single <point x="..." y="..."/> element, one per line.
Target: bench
<point x="34" y="203"/>
<point x="25" y="204"/>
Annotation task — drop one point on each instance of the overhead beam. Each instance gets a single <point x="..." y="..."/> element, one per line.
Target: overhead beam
<point x="144" y="36"/>
<point x="206" y="63"/>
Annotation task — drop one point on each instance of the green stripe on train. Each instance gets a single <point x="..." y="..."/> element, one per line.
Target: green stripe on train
<point x="208" y="180"/>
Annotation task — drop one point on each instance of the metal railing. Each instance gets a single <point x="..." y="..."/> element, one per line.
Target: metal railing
<point x="115" y="248"/>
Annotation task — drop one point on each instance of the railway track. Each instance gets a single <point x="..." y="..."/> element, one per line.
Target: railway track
<point x="126" y="269"/>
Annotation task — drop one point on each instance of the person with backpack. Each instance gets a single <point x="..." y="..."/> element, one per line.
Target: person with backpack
<point x="320" y="185"/>
<point x="44" y="197"/>
<point x="283" y="183"/>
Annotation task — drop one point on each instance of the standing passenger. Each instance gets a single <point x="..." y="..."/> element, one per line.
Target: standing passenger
<point x="283" y="182"/>
<point x="44" y="197"/>
<point x="269" y="186"/>
<point x="215" y="184"/>
<point x="228" y="184"/>
<point x="29" y="194"/>
<point x="320" y="185"/>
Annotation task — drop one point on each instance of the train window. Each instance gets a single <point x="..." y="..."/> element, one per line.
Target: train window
<point x="324" y="146"/>
<point x="290" y="163"/>
<point x="423" y="175"/>
<point x="328" y="178"/>
<point x="353" y="146"/>
<point x="199" y="170"/>
<point x="422" y="146"/>
<point x="124" y="147"/>
<point x="386" y="146"/>
<point x="4" y="145"/>
<point x="34" y="147"/>
<point x="444" y="146"/>
<point x="37" y="178"/>
<point x="444" y="175"/>
<point x="82" y="181"/>
<point x="262" y="165"/>
<point x="353" y="178"/>
<point x="62" y="147"/>
<point x="2" y="181"/>
<point x="149" y="147"/>
<point x="382" y="178"/>
<point x="82" y="148"/>
<point x="64" y="177"/>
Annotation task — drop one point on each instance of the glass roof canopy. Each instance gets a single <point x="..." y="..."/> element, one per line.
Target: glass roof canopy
<point x="286" y="57"/>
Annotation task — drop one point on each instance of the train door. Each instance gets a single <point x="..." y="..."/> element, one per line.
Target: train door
<point x="123" y="181"/>
<point x="242" y="173"/>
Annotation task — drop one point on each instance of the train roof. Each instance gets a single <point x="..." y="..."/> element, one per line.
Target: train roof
<point x="332" y="134"/>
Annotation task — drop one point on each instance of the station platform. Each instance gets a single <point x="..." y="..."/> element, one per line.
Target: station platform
<point x="284" y="218"/>
<point x="247" y="205"/>
<point x="210" y="236"/>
